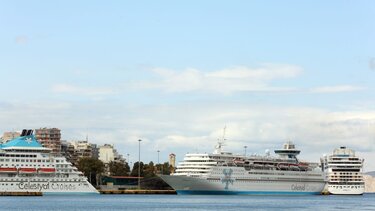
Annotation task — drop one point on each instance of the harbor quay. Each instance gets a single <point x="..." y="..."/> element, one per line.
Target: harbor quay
<point x="136" y="191"/>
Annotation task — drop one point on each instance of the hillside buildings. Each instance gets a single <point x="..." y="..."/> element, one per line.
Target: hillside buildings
<point x="50" y="138"/>
<point x="74" y="150"/>
<point x="7" y="136"/>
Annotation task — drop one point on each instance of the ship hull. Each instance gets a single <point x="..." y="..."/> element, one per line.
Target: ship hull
<point x="203" y="186"/>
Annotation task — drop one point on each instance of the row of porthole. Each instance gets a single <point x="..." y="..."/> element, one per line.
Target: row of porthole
<point x="17" y="165"/>
<point x="39" y="180"/>
<point x="341" y="187"/>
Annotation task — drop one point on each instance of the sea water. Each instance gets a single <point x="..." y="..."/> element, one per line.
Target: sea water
<point x="187" y="202"/>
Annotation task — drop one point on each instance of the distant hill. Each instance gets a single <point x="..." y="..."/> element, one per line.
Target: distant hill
<point x="369" y="183"/>
<point x="371" y="173"/>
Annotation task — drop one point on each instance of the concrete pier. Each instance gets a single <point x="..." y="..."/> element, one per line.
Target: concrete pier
<point x="21" y="194"/>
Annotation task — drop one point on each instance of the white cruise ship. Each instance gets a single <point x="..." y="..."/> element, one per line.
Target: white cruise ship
<point x="27" y="166"/>
<point x="344" y="172"/>
<point x="225" y="173"/>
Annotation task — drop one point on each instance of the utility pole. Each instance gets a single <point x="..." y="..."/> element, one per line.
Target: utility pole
<point x="158" y="161"/>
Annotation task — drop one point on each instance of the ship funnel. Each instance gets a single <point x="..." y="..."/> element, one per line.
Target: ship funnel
<point x="29" y="132"/>
<point x="26" y="132"/>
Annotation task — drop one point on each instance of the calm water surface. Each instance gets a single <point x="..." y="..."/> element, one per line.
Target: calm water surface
<point x="178" y="202"/>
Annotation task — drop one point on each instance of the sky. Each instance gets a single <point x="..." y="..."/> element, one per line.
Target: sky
<point x="175" y="73"/>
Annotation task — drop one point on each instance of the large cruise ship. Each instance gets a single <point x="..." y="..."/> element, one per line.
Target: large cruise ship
<point x="344" y="172"/>
<point x="225" y="173"/>
<point x="27" y="166"/>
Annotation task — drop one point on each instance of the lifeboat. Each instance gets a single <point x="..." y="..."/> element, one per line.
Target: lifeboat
<point x="269" y="166"/>
<point x="238" y="161"/>
<point x="8" y="170"/>
<point x="303" y="166"/>
<point x="27" y="170"/>
<point x="258" y="166"/>
<point x="283" y="166"/>
<point x="294" y="167"/>
<point x="47" y="170"/>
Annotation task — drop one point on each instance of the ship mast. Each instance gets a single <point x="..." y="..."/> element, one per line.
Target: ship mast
<point x="220" y="142"/>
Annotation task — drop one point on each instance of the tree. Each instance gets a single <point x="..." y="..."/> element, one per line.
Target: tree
<point x="149" y="170"/>
<point x="92" y="168"/>
<point x="118" y="168"/>
<point x="150" y="180"/>
<point x="134" y="172"/>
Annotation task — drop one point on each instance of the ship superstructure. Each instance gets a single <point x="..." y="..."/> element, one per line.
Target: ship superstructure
<point x="344" y="172"/>
<point x="27" y="166"/>
<point x="222" y="172"/>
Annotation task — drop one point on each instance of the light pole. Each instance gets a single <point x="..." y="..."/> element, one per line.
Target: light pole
<point x="158" y="160"/>
<point x="245" y="149"/>
<point x="128" y="161"/>
<point x="139" y="164"/>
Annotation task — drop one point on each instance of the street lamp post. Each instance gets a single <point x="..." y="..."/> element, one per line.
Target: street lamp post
<point x="158" y="160"/>
<point x="245" y="150"/>
<point x="139" y="164"/>
<point x="128" y="161"/>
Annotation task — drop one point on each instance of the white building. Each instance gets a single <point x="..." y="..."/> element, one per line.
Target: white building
<point x="82" y="148"/>
<point x="108" y="153"/>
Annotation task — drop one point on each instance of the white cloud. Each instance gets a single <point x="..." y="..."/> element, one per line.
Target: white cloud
<point x="235" y="79"/>
<point x="267" y="72"/>
<point x="196" y="127"/>
<point x="336" y="89"/>
<point x="71" y="89"/>
<point x="228" y="80"/>
<point x="21" y="40"/>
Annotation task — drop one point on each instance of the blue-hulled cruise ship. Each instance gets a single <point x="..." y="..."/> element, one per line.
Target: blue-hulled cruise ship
<point x="27" y="166"/>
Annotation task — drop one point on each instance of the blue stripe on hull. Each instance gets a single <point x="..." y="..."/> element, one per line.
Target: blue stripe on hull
<point x="207" y="192"/>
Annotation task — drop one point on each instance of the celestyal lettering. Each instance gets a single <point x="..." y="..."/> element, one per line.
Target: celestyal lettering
<point x="33" y="186"/>
<point x="298" y="187"/>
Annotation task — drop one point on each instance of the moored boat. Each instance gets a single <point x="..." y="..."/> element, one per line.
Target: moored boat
<point x="8" y="170"/>
<point x="344" y="172"/>
<point x="46" y="170"/>
<point x="27" y="166"/>
<point x="27" y="170"/>
<point x="225" y="173"/>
